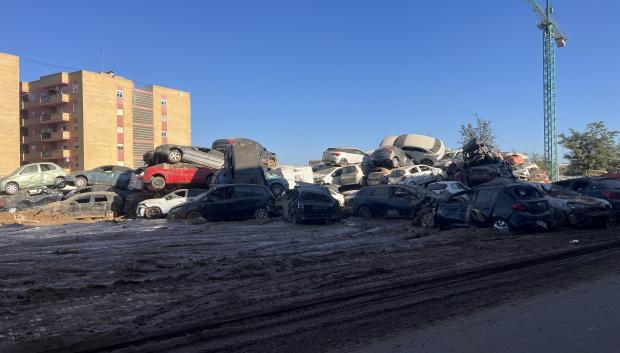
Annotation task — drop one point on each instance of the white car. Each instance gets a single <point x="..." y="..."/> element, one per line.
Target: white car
<point x="343" y="156"/>
<point x="452" y="187"/>
<point x="415" y="175"/>
<point x="325" y="174"/>
<point x="157" y="208"/>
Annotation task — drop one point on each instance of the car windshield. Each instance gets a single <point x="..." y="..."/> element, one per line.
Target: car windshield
<point x="526" y="193"/>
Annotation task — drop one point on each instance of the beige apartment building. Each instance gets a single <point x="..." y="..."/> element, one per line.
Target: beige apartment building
<point x="81" y="120"/>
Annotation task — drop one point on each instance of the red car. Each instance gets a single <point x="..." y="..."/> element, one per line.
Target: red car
<point x="161" y="175"/>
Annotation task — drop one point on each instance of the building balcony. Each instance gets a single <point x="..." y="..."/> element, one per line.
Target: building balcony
<point x="47" y="137"/>
<point x="47" y="101"/>
<point x="46" y="119"/>
<point x="56" y="154"/>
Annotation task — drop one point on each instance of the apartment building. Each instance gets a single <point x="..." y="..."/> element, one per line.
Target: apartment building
<point x="81" y="120"/>
<point x="9" y="113"/>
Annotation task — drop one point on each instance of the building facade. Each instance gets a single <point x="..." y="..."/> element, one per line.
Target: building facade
<point x="82" y="120"/>
<point x="9" y="113"/>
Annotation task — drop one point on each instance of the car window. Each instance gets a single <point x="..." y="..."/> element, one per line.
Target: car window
<point x="82" y="199"/>
<point x="526" y="193"/>
<point x="222" y="193"/>
<point x="351" y="169"/>
<point x="31" y="169"/>
<point x="424" y="168"/>
<point x="101" y="198"/>
<point x="398" y="192"/>
<point x="484" y="196"/>
<point x="381" y="192"/>
<point x="47" y="167"/>
<point x="581" y="184"/>
<point x="437" y="186"/>
<point x="195" y="192"/>
<point x="243" y="191"/>
<point x="609" y="184"/>
<point x="313" y="196"/>
<point x="337" y="173"/>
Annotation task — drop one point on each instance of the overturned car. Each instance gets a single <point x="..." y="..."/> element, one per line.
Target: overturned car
<point x="481" y="164"/>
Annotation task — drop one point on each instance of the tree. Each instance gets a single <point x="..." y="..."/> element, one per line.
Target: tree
<point x="594" y="149"/>
<point x="482" y="131"/>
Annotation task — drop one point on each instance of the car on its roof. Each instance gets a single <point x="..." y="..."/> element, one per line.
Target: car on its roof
<point x="88" y="205"/>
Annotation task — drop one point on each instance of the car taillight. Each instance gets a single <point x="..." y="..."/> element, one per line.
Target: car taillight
<point x="611" y="195"/>
<point x="519" y="207"/>
<point x="336" y="153"/>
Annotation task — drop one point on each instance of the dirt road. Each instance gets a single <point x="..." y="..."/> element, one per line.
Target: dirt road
<point x="223" y="286"/>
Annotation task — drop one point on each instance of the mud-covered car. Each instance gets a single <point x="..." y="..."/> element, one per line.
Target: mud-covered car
<point x="111" y="175"/>
<point x="600" y="187"/>
<point x="415" y="175"/>
<point x="32" y="176"/>
<point x="377" y="176"/>
<point x="393" y="201"/>
<point x="481" y="164"/>
<point x="159" y="207"/>
<point x="174" y="154"/>
<point x="573" y="209"/>
<point x="88" y="205"/>
<point x="310" y="204"/>
<point x="267" y="158"/>
<point x="389" y="157"/>
<point x="25" y="199"/>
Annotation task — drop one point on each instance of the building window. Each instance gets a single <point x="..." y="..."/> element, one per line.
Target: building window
<point x="74" y="88"/>
<point x="32" y="115"/>
<point x="77" y="147"/>
<point x="164" y="118"/>
<point x="164" y="102"/>
<point x="33" y="148"/>
<point x="164" y="134"/>
<point x="120" y="147"/>
<point x="120" y="129"/>
<point x="64" y="128"/>
<point x="119" y="93"/>
<point x="74" y="106"/>
<point x="120" y="112"/>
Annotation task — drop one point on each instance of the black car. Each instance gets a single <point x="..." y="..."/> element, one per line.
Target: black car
<point x="310" y="204"/>
<point x="599" y="187"/>
<point x="504" y="204"/>
<point x="389" y="157"/>
<point x="237" y="201"/>
<point x="24" y="200"/>
<point x="268" y="158"/>
<point x="393" y="201"/>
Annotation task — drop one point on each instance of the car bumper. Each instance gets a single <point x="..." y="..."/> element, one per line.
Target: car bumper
<point x="530" y="221"/>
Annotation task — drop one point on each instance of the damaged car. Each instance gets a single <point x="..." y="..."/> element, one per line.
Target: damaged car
<point x="599" y="187"/>
<point x="481" y="164"/>
<point x="342" y="156"/>
<point x="573" y="209"/>
<point x="420" y="149"/>
<point x="389" y="157"/>
<point x="237" y="201"/>
<point x="392" y="201"/>
<point x="159" y="207"/>
<point x="111" y="175"/>
<point x="415" y="175"/>
<point x="88" y="205"/>
<point x="32" y="176"/>
<point x="377" y="176"/>
<point x="27" y="199"/>
<point x="310" y="204"/>
<point x="324" y="174"/>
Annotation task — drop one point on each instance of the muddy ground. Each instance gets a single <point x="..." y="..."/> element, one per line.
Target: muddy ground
<point x="80" y="285"/>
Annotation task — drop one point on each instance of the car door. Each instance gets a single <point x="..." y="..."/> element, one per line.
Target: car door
<point x="30" y="177"/>
<point x="99" y="205"/>
<point x="482" y="205"/>
<point x="78" y="206"/>
<point x="455" y="212"/>
<point x="398" y="203"/>
<point x="219" y="204"/>
<point x="245" y="200"/>
<point x="426" y="174"/>
<point x="105" y="175"/>
<point x="48" y="173"/>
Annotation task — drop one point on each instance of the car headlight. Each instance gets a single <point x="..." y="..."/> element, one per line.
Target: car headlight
<point x="577" y="205"/>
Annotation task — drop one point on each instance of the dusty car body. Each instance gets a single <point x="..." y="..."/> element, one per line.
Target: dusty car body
<point x="342" y="156"/>
<point x="503" y="204"/>
<point x="392" y="201"/>
<point x="377" y="176"/>
<point x="237" y="201"/>
<point x="159" y="207"/>
<point x="31" y="176"/>
<point x="452" y="187"/>
<point x="310" y="204"/>
<point x="111" y="175"/>
<point x="24" y="199"/>
<point x="599" y="187"/>
<point x="174" y="154"/>
<point x="481" y="164"/>
<point x="349" y="175"/>
<point x="415" y="175"/>
<point x="419" y="148"/>
<point x="574" y="209"/>
<point x="324" y="174"/>
<point x="389" y="157"/>
<point x="160" y="176"/>
<point x="267" y="158"/>
<point x="88" y="205"/>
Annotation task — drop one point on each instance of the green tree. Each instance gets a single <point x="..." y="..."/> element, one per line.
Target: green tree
<point x="594" y="149"/>
<point x="481" y="131"/>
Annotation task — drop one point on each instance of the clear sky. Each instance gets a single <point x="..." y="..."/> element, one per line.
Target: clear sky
<point x="303" y="75"/>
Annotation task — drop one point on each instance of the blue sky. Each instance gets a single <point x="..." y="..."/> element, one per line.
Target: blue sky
<point x="300" y="76"/>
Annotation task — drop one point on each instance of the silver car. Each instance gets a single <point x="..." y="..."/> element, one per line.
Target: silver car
<point x="350" y="175"/>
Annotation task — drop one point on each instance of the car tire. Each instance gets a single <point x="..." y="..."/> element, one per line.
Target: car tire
<point x="277" y="190"/>
<point x="158" y="182"/>
<point x="271" y="163"/>
<point x="193" y="215"/>
<point x="261" y="213"/>
<point x="11" y="188"/>
<point x="60" y="183"/>
<point x="152" y="213"/>
<point x="428" y="220"/>
<point x="395" y="162"/>
<point x="343" y="162"/>
<point x="501" y="226"/>
<point x="174" y="156"/>
<point x="364" y="212"/>
<point x="80" y="181"/>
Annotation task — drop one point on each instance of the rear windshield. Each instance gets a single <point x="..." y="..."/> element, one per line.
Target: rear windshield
<point x="526" y="193"/>
<point x="316" y="197"/>
<point x="609" y="184"/>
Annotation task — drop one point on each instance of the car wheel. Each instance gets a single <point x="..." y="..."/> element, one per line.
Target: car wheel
<point x="261" y="213"/>
<point x="364" y="212"/>
<point x="427" y="162"/>
<point x="277" y="190"/>
<point x="152" y="212"/>
<point x="271" y="163"/>
<point x="428" y="220"/>
<point x="193" y="215"/>
<point x="501" y="226"/>
<point x="174" y="156"/>
<point x="395" y="162"/>
<point x="343" y="162"/>
<point x="11" y="188"/>
<point x="158" y="182"/>
<point x="80" y="181"/>
<point x="59" y="183"/>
